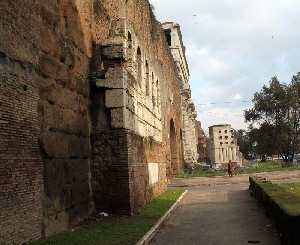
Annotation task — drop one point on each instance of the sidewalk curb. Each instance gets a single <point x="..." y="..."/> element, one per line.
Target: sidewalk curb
<point x="151" y="233"/>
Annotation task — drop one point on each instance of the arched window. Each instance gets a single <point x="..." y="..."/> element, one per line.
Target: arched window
<point x="173" y="146"/>
<point x="147" y="79"/>
<point x="139" y="66"/>
<point x="129" y="36"/>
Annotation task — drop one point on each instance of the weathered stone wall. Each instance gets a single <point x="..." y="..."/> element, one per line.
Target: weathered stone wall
<point x="137" y="85"/>
<point x="45" y="52"/>
<point x="21" y="168"/>
<point x="189" y="132"/>
<point x="49" y="178"/>
<point x="63" y="111"/>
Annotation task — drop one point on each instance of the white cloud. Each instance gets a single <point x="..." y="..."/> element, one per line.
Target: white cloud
<point x="234" y="47"/>
<point x="237" y="97"/>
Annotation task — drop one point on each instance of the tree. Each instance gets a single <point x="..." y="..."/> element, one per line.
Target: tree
<point x="245" y="146"/>
<point x="277" y="112"/>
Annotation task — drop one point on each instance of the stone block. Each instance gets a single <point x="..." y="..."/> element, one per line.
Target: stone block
<point x="48" y="89"/>
<point x="117" y="72"/>
<point x="55" y="145"/>
<point x="118" y="118"/>
<point x="55" y="223"/>
<point x="114" y="78"/>
<point x="113" y="52"/>
<point x="130" y="102"/>
<point x="118" y="25"/>
<point x="53" y="178"/>
<point x="80" y="85"/>
<point x="115" y="98"/>
<point x="52" y="68"/>
<point x="111" y="83"/>
<point x="123" y="118"/>
<point x="79" y="148"/>
<point x="49" y="66"/>
<point x="83" y="104"/>
<point x="75" y="33"/>
<point x="55" y="118"/>
<point x="65" y="51"/>
<point x="81" y="63"/>
<point x="47" y="40"/>
<point x="68" y="99"/>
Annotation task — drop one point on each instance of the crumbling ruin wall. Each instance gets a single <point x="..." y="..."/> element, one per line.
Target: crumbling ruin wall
<point x="21" y="167"/>
<point x="54" y="112"/>
<point x="63" y="111"/>
<point x="137" y="83"/>
<point x="45" y="61"/>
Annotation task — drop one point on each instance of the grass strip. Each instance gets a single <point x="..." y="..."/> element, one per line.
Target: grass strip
<point x="160" y="205"/>
<point x="126" y="233"/>
<point x="117" y="233"/>
<point x="259" y="167"/>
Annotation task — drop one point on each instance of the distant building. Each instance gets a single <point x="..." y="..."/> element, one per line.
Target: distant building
<point x="223" y="145"/>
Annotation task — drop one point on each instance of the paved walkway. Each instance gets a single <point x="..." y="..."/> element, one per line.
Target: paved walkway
<point x="220" y="211"/>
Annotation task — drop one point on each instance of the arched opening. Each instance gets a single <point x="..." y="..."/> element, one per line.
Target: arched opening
<point x="139" y="65"/>
<point x="182" y="162"/>
<point x="129" y="36"/>
<point x="147" y="79"/>
<point x="173" y="148"/>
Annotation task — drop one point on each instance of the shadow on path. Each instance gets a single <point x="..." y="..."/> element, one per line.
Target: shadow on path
<point x="217" y="215"/>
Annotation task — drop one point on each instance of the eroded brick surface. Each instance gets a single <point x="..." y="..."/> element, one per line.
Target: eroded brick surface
<point x="90" y="113"/>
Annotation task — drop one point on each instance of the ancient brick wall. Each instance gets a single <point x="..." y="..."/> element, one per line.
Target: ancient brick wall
<point x="137" y="81"/>
<point x="147" y="170"/>
<point x="45" y="109"/>
<point x="21" y="168"/>
<point x="49" y="50"/>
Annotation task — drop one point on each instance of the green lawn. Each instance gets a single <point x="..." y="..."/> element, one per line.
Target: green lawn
<point x="290" y="198"/>
<point x="252" y="167"/>
<point x="126" y="233"/>
<point x="117" y="233"/>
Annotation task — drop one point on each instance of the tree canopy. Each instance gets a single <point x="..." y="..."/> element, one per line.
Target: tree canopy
<point x="276" y="112"/>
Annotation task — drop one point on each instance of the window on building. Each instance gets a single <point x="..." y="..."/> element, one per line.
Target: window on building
<point x="139" y="65"/>
<point x="225" y="131"/>
<point x="129" y="36"/>
<point x="226" y="137"/>
<point x="147" y="79"/>
<point x="220" y="137"/>
<point x="168" y="36"/>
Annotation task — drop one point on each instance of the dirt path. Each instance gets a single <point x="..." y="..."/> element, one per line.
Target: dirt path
<point x="219" y="211"/>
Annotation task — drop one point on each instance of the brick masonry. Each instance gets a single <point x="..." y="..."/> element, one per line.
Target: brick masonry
<point x="21" y="166"/>
<point x="68" y="144"/>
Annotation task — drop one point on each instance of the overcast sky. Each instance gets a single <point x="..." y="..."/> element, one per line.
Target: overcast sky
<point x="233" y="48"/>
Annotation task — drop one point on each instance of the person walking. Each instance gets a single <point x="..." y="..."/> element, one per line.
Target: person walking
<point x="230" y="169"/>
